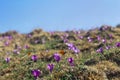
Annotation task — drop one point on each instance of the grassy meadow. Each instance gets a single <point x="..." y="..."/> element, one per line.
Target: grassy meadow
<point x="61" y="55"/>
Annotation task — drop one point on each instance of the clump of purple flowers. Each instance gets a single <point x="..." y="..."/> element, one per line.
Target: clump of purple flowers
<point x="57" y="57"/>
<point x="73" y="47"/>
<point x="89" y="39"/>
<point x="36" y="73"/>
<point x="50" y="67"/>
<point x="34" y="58"/>
<point x="100" y="50"/>
<point x="104" y="27"/>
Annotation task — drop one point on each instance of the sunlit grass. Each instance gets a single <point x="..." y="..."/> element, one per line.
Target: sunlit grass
<point x="84" y="64"/>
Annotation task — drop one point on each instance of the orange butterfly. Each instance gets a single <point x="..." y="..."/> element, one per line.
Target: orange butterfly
<point x="29" y="53"/>
<point x="62" y="52"/>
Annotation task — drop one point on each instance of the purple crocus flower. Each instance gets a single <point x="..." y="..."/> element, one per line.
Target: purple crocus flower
<point x="36" y="73"/>
<point x="76" y="32"/>
<point x="6" y="43"/>
<point x="98" y="38"/>
<point x="111" y="40"/>
<point x="80" y="37"/>
<point x="76" y="50"/>
<point x="36" y="41"/>
<point x="16" y="51"/>
<point x="104" y="40"/>
<point x="118" y="44"/>
<point x="29" y="35"/>
<point x="7" y="59"/>
<point x="57" y="57"/>
<point x="26" y="46"/>
<point x="19" y="48"/>
<point x="108" y="47"/>
<point x="70" y="60"/>
<point x="34" y="58"/>
<point x="89" y="39"/>
<point x="10" y="37"/>
<point x="110" y="36"/>
<point x="65" y="40"/>
<point x="66" y="35"/>
<point x="50" y="67"/>
<point x="100" y="50"/>
<point x="70" y="46"/>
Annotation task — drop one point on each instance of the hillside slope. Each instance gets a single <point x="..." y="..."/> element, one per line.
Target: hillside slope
<point x="81" y="55"/>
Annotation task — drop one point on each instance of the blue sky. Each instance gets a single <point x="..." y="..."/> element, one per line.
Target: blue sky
<point x="50" y="15"/>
